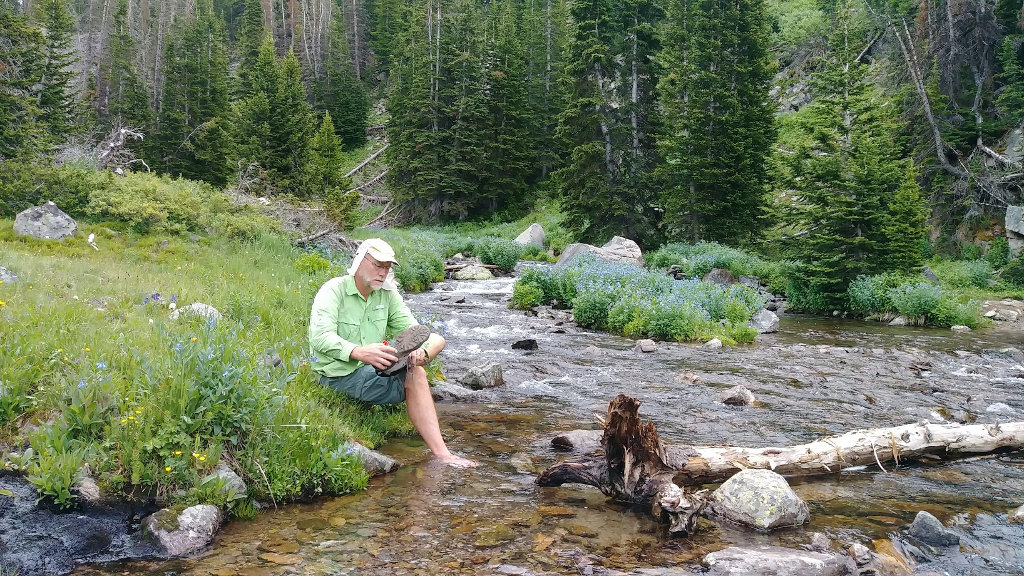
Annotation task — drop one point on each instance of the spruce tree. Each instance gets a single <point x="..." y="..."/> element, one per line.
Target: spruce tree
<point x="291" y="126"/>
<point x="128" y="102"/>
<point x="586" y="181"/>
<point x="251" y="36"/>
<point x="251" y="126"/>
<point x="58" y="102"/>
<point x="323" y="171"/>
<point x="21" y="53"/>
<point x="191" y="139"/>
<point x="340" y="92"/>
<point x="718" y="120"/>
<point x="856" y="197"/>
<point x="1011" y="97"/>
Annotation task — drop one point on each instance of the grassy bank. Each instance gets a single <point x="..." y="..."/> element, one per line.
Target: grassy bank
<point x="94" y="371"/>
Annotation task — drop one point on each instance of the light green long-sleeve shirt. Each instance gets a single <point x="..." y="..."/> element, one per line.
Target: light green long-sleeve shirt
<point x="342" y="319"/>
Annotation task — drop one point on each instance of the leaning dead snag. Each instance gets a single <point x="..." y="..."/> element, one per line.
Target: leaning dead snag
<point x="636" y="467"/>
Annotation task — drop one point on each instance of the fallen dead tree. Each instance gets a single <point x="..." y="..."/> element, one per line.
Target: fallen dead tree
<point x="634" y="466"/>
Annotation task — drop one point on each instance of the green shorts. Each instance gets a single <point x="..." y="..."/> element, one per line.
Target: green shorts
<point x="365" y="385"/>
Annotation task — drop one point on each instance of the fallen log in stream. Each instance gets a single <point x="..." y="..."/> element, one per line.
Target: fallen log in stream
<point x="634" y="466"/>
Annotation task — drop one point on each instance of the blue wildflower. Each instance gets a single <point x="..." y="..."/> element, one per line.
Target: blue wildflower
<point x="81" y="383"/>
<point x="101" y="365"/>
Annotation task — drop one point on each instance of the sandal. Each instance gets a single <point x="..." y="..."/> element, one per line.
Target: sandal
<point x="408" y="340"/>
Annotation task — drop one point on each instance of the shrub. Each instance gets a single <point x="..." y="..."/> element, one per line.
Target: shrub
<point x="954" y="311"/>
<point x="916" y="301"/>
<point x="970" y="252"/>
<point x="340" y="205"/>
<point x="926" y="249"/>
<point x="526" y="296"/>
<point x="591" y="309"/>
<point x="998" y="252"/>
<point x="963" y="274"/>
<point x="26" y="184"/>
<point x="1013" y="272"/>
<point x="869" y="295"/>
<point x="499" y="252"/>
<point x="418" y="269"/>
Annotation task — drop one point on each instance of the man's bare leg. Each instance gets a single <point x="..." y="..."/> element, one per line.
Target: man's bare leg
<point x="420" y="404"/>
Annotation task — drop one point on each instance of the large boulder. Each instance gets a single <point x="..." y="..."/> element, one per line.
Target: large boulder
<point x="760" y="499"/>
<point x="618" y="250"/>
<point x="185" y="532"/>
<point x="532" y="235"/>
<point x="473" y="273"/>
<point x="777" y="561"/>
<point x="480" y="377"/>
<point x="1014" y="224"/>
<point x="46" y="221"/>
<point x="765" y="322"/>
<point x="720" y="276"/>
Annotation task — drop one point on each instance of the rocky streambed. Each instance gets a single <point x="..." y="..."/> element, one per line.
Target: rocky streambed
<point x="815" y="378"/>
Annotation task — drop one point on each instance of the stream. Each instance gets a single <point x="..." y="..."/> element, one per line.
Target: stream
<point x="815" y="377"/>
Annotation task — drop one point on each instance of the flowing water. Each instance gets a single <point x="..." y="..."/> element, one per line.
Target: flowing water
<point x="814" y="378"/>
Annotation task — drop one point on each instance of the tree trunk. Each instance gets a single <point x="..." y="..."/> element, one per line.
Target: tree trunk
<point x="636" y="467"/>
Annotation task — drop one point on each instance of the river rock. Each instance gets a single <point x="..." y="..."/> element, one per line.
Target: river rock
<point x="646" y="345"/>
<point x="532" y="235"/>
<point x="736" y="396"/>
<point x="960" y="329"/>
<point x="1017" y="516"/>
<point x="230" y="481"/>
<point x="373" y="462"/>
<point x="473" y="273"/>
<point x="199" y="309"/>
<point x="185" y="532"/>
<point x="579" y="441"/>
<point x="618" y="249"/>
<point x="761" y="499"/>
<point x="7" y="276"/>
<point x="446" y="391"/>
<point x="898" y="321"/>
<point x="765" y="322"/>
<point x="713" y="344"/>
<point x="719" y="276"/>
<point x="46" y="221"/>
<point x="929" y="530"/>
<point x="776" y="561"/>
<point x="527" y="344"/>
<point x="480" y="377"/>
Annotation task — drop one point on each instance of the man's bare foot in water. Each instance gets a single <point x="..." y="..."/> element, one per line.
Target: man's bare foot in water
<point x="456" y="461"/>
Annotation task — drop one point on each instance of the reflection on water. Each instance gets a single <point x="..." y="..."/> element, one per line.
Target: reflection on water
<point x="817" y="377"/>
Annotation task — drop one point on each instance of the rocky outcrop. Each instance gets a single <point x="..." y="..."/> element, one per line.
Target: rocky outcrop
<point x="480" y="377"/>
<point x="1014" y="223"/>
<point x="760" y="499"/>
<point x="46" y="221"/>
<point x="185" y="532"/>
<point x="618" y="250"/>
<point x="776" y="561"/>
<point x="533" y="235"/>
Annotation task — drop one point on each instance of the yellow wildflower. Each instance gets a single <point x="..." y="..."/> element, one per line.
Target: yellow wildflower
<point x="202" y="458"/>
<point x="87" y="349"/>
<point x="177" y="452"/>
<point x="123" y="420"/>
<point x="2" y="303"/>
<point x="167" y="468"/>
<point x="193" y="338"/>
<point x="138" y="410"/>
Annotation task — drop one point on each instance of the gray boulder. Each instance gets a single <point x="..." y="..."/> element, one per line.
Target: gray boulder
<point x="929" y="530"/>
<point x="1014" y="224"/>
<point x="579" y="441"/>
<point x="230" y="481"/>
<point x="713" y="344"/>
<point x="204" y="311"/>
<point x="373" y="462"/>
<point x="480" y="377"/>
<point x="184" y="533"/>
<point x="46" y="221"/>
<point x="473" y="273"/>
<point x="618" y="250"/>
<point x="1017" y="516"/>
<point x="776" y="561"/>
<point x="765" y="322"/>
<point x="760" y="499"/>
<point x="645" y="345"/>
<point x="443" y="391"/>
<point x="736" y="396"/>
<point x="532" y="235"/>
<point x="719" y="276"/>
<point x="7" y="276"/>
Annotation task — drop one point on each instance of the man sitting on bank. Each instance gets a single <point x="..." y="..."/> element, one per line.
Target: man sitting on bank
<point x="350" y="317"/>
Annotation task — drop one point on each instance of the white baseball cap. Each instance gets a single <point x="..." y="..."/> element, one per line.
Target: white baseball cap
<point x="380" y="250"/>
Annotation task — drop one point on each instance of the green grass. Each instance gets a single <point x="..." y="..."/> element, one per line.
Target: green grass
<point x="89" y="354"/>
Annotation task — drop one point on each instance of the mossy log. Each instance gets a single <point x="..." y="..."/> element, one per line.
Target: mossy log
<point x="634" y="466"/>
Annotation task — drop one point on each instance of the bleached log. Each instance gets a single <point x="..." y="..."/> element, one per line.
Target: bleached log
<point x="636" y="467"/>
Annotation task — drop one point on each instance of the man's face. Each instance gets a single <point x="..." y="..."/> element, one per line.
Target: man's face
<point x="373" y="273"/>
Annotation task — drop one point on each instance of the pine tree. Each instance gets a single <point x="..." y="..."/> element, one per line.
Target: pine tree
<point x="128" y="102"/>
<point x="586" y="182"/>
<point x="251" y="129"/>
<point x="21" y="53"/>
<point x="58" y="102"/>
<point x="191" y="139"/>
<point x="857" y="198"/>
<point x="340" y="92"/>
<point x="1011" y="97"/>
<point x="251" y="35"/>
<point x="719" y="123"/>
<point x="291" y="126"/>
<point x="543" y="27"/>
<point x="323" y="167"/>
<point x="388" y="21"/>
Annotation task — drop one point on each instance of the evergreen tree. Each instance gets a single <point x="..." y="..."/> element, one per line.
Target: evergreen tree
<point x="128" y="102"/>
<point x="191" y="138"/>
<point x="857" y="198"/>
<point x="21" y="53"/>
<point x="323" y="167"/>
<point x="58" y="104"/>
<point x="544" y="28"/>
<point x="719" y="123"/>
<point x="389" y="21"/>
<point x="251" y="129"/>
<point x="586" y="182"/>
<point x="291" y="126"/>
<point x="340" y="92"/>
<point x="251" y="35"/>
<point x="1011" y="98"/>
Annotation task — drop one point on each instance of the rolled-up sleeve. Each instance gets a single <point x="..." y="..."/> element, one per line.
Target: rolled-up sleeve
<point x="323" y="323"/>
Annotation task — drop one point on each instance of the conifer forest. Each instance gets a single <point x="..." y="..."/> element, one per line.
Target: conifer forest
<point x="846" y="134"/>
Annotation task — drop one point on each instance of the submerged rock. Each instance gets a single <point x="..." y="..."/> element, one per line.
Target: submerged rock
<point x="736" y="396"/>
<point x="776" y="561"/>
<point x="929" y="530"/>
<point x="760" y="499"/>
<point x="373" y="462"/>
